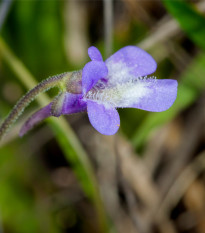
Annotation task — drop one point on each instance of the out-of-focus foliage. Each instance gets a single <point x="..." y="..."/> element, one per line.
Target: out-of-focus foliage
<point x="50" y="50"/>
<point x="66" y="138"/>
<point x="23" y="207"/>
<point x="192" y="81"/>
<point x="40" y="24"/>
<point x="189" y="18"/>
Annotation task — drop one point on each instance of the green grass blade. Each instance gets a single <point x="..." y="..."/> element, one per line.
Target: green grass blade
<point x="190" y="20"/>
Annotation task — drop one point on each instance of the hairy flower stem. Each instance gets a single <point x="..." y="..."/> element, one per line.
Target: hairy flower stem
<point x="45" y="85"/>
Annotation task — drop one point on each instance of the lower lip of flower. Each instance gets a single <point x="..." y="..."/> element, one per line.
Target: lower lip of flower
<point x="120" y="95"/>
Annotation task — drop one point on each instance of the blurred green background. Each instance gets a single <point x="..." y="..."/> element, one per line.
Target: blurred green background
<point x="150" y="176"/>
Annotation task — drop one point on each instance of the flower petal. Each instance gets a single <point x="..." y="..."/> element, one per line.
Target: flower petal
<point x="104" y="120"/>
<point x="92" y="72"/>
<point x="160" y="96"/>
<point x="35" y="119"/>
<point x="73" y="103"/>
<point x="94" y="54"/>
<point x="129" y="63"/>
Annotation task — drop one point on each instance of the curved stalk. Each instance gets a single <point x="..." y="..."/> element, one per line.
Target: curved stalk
<point x="18" y="109"/>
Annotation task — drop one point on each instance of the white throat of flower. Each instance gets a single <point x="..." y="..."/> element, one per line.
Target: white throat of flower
<point x="121" y="95"/>
<point x="119" y="72"/>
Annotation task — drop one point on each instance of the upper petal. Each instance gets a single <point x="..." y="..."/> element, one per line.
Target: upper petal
<point x="92" y="72"/>
<point x="160" y="95"/>
<point x="104" y="120"/>
<point x="129" y="63"/>
<point x="94" y="54"/>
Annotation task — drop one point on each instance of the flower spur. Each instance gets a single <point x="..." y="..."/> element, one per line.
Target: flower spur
<point x="101" y="87"/>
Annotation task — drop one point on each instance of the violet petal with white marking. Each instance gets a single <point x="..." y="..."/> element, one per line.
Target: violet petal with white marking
<point x="129" y="63"/>
<point x="161" y="94"/>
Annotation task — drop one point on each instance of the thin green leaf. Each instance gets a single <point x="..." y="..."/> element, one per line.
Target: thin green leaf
<point x="190" y="20"/>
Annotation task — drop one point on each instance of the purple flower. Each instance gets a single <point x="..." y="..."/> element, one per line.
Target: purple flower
<point x="119" y="82"/>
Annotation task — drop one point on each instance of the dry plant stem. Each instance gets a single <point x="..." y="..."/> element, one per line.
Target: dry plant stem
<point x="129" y="194"/>
<point x="137" y="9"/>
<point x="75" y="30"/>
<point x="166" y="227"/>
<point x="67" y="139"/>
<point x="179" y="56"/>
<point x="154" y="150"/>
<point x="179" y="187"/>
<point x="183" y="153"/>
<point x="138" y="177"/>
<point x="101" y="149"/>
<point x="166" y="29"/>
<point x="18" y="109"/>
<point x="108" y="26"/>
<point x="139" y="180"/>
